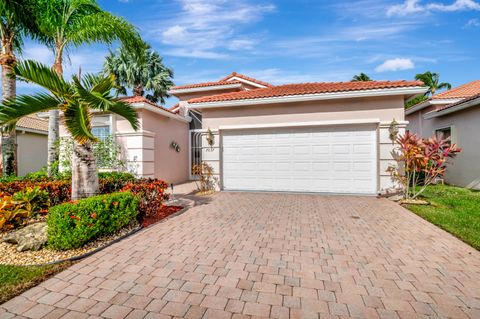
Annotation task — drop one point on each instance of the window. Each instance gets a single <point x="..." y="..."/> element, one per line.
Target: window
<point x="101" y="127"/>
<point x="445" y="132"/>
<point x="101" y="132"/>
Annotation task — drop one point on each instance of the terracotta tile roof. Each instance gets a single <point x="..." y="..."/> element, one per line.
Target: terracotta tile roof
<point x="306" y="88"/>
<point x="462" y="91"/>
<point x="241" y="76"/>
<point x="33" y="122"/>
<point x="471" y="98"/>
<point x="204" y="84"/>
<point x="141" y="99"/>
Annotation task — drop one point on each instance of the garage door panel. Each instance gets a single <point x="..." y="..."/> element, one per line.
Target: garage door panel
<point x="339" y="160"/>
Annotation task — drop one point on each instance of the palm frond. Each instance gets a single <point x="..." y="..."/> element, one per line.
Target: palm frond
<point x="126" y="111"/>
<point x="78" y="122"/>
<point x="12" y="110"/>
<point x="106" y="28"/>
<point x="94" y="99"/>
<point x="38" y="73"/>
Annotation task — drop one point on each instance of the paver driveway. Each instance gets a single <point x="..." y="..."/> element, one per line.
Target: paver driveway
<point x="274" y="255"/>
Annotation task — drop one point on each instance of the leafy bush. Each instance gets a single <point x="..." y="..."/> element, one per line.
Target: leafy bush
<point x="11" y="214"/>
<point x="150" y="193"/>
<point x="205" y="173"/>
<point x="59" y="191"/>
<point x="114" y="181"/>
<point x="33" y="199"/>
<point x="420" y="162"/>
<point x="72" y="225"/>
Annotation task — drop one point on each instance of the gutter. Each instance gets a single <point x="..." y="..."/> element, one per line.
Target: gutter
<point x="311" y="97"/>
<point x="429" y="102"/>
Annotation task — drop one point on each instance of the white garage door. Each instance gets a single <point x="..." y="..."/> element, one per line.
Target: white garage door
<point x="313" y="159"/>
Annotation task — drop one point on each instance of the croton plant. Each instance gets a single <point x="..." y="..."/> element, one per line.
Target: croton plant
<point x="421" y="161"/>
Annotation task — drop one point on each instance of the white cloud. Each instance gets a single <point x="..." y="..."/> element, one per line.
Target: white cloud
<point x="396" y="64"/>
<point x="207" y="29"/>
<point x="415" y="6"/>
<point x="472" y="23"/>
<point x="38" y="53"/>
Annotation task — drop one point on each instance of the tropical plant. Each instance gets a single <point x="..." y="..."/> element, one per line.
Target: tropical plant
<point x="143" y="74"/>
<point x="33" y="199"/>
<point x="361" y="77"/>
<point x="415" y="101"/>
<point x="67" y="23"/>
<point x="421" y="162"/>
<point x="15" y="22"/>
<point x="11" y="214"/>
<point x="206" y="179"/>
<point x="432" y="80"/>
<point x="150" y="193"/>
<point x="76" y="99"/>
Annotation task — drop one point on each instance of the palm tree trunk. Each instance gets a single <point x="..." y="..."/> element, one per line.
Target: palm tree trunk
<point x="84" y="171"/>
<point x="54" y="124"/>
<point x="9" y="88"/>
<point x="138" y="90"/>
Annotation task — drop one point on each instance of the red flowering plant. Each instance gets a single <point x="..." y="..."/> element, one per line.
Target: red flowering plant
<point x="150" y="193"/>
<point x="421" y="162"/>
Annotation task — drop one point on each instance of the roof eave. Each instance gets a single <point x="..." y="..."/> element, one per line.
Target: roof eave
<point x="313" y="97"/>
<point x="205" y="88"/>
<point x="429" y="102"/>
<point x="160" y="111"/>
<point x="452" y="109"/>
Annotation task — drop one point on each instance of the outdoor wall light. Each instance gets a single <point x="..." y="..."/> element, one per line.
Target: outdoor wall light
<point x="175" y="146"/>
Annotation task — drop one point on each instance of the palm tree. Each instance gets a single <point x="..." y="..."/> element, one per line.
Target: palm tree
<point x="144" y="73"/>
<point x="361" y="77"/>
<point x="14" y="23"/>
<point x="67" y="23"/>
<point x="432" y="80"/>
<point x="77" y="100"/>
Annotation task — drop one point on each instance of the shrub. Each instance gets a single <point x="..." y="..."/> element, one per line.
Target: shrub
<point x="11" y="214"/>
<point x="33" y="199"/>
<point x="58" y="191"/>
<point x="150" y="193"/>
<point x="114" y="181"/>
<point x="421" y="162"/>
<point x="205" y="173"/>
<point x="72" y="225"/>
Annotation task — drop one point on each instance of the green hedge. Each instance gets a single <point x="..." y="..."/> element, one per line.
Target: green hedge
<point x="73" y="224"/>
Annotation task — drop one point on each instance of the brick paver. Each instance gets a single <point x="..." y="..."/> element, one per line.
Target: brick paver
<point x="271" y="255"/>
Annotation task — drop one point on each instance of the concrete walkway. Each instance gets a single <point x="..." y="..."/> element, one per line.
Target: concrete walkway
<point x="271" y="255"/>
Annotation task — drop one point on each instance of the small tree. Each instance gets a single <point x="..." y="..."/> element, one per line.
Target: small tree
<point x="421" y="162"/>
<point x="205" y="173"/>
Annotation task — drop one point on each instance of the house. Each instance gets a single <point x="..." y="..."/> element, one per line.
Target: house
<point x="158" y="149"/>
<point x="32" y="135"/>
<point x="456" y="114"/>
<point x="309" y="137"/>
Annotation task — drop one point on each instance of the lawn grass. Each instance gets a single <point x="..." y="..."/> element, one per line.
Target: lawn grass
<point x="455" y="209"/>
<point x="16" y="279"/>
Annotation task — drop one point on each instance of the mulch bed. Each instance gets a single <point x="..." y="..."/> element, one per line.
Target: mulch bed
<point x="162" y="213"/>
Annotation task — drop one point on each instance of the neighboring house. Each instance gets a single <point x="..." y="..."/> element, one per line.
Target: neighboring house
<point x="32" y="134"/>
<point x="150" y="151"/>
<point x="456" y="114"/>
<point x="311" y="137"/>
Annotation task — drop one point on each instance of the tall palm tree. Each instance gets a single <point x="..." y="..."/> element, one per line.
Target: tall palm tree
<point x="361" y="77"/>
<point x="72" y="23"/>
<point x="144" y="73"/>
<point x="432" y="80"/>
<point x="15" y="22"/>
<point x="76" y="99"/>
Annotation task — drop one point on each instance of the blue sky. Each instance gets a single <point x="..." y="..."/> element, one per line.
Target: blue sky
<point x="282" y="41"/>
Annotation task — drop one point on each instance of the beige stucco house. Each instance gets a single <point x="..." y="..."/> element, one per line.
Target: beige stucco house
<point x="32" y="134"/>
<point x="456" y="114"/>
<point x="310" y="137"/>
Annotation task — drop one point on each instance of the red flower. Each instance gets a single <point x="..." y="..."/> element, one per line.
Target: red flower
<point x="93" y="215"/>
